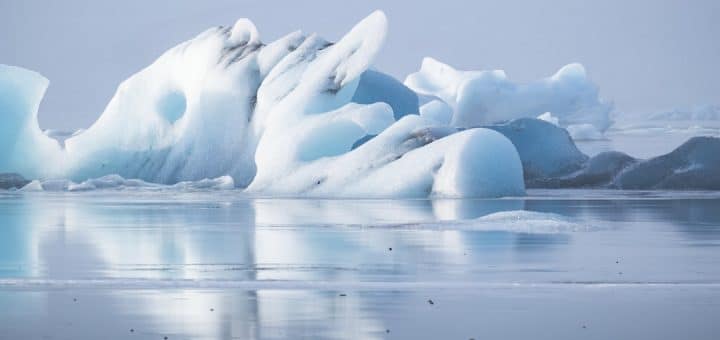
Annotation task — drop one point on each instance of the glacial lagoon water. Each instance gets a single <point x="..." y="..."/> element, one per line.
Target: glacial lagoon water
<point x="218" y="264"/>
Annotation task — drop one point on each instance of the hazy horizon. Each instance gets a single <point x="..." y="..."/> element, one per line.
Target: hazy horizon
<point x="644" y="56"/>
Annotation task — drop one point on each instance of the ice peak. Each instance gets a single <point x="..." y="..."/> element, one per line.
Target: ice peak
<point x="360" y="46"/>
<point x="377" y="18"/>
<point x="244" y="32"/>
<point x="573" y="70"/>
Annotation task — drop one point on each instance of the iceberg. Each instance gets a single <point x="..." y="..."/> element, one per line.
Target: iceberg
<point x="699" y="113"/>
<point x="12" y="181"/>
<point x="377" y="87"/>
<point x="693" y="165"/>
<point x="584" y="132"/>
<point x="302" y="116"/>
<point x="551" y="160"/>
<point x="578" y="132"/>
<point x="297" y="116"/>
<point x="545" y="150"/>
<point x="695" y="121"/>
<point x="411" y="158"/>
<point x="437" y="111"/>
<point x="486" y="97"/>
<point x="599" y="171"/>
<point x="23" y="146"/>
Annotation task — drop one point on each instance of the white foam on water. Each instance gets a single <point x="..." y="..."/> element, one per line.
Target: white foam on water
<point x="118" y="183"/>
<point x="515" y="221"/>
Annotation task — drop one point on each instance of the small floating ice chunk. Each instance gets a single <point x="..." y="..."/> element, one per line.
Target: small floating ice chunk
<point x="220" y="183"/>
<point x="515" y="221"/>
<point x="524" y="221"/>
<point x="117" y="182"/>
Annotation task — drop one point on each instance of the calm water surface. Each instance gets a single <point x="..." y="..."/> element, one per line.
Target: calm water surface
<point x="146" y="265"/>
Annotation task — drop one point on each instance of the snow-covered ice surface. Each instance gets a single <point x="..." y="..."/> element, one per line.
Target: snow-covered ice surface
<point x="208" y="263"/>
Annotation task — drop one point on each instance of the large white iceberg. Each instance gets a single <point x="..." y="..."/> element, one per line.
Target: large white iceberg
<point x="485" y="97"/>
<point x="24" y="148"/>
<point x="284" y="118"/>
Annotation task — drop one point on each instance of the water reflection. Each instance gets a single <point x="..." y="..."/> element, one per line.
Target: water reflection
<point x="201" y="239"/>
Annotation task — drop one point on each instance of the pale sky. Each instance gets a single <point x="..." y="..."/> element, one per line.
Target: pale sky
<point x="645" y="55"/>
